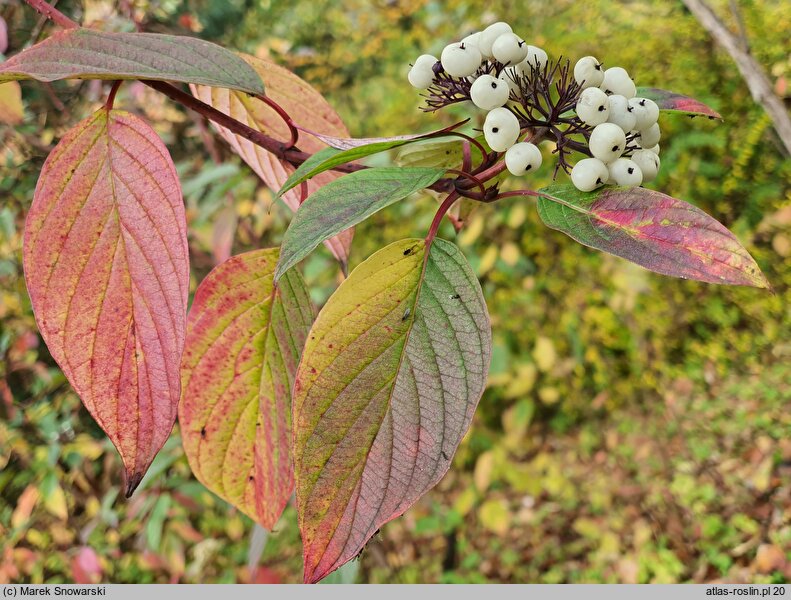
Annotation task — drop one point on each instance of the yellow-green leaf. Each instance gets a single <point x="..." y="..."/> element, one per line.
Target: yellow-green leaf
<point x="244" y="338"/>
<point x="389" y="380"/>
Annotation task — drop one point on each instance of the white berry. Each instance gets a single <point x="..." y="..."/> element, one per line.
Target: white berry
<point x="523" y="157"/>
<point x="650" y="137"/>
<point x="422" y="72"/>
<point x="536" y="58"/>
<point x="588" y="174"/>
<point x="489" y="35"/>
<point x="621" y="113"/>
<point x="460" y="60"/>
<point x="645" y="111"/>
<point x="607" y="142"/>
<point x="654" y="149"/>
<point x="625" y="171"/>
<point x="588" y="72"/>
<point x="648" y="163"/>
<point x="488" y="92"/>
<point x="617" y="81"/>
<point x="472" y="40"/>
<point x="509" y="49"/>
<point x="593" y="107"/>
<point x="501" y="128"/>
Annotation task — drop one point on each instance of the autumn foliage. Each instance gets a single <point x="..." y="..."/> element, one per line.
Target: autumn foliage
<point x="357" y="408"/>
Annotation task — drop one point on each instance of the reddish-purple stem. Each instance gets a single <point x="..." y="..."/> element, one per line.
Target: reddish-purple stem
<point x="111" y="96"/>
<point x="283" y="115"/>
<point x="441" y="211"/>
<point x="53" y="13"/>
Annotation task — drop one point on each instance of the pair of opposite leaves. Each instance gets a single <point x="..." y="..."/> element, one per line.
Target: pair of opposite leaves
<point x="106" y="263"/>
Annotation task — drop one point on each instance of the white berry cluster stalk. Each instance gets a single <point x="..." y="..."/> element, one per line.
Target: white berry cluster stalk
<point x="586" y="110"/>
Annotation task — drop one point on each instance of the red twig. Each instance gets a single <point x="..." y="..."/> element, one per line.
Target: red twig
<point x="283" y="115"/>
<point x="111" y="96"/>
<point x="472" y="179"/>
<point x="441" y="211"/>
<point x="53" y="13"/>
<point x="466" y="156"/>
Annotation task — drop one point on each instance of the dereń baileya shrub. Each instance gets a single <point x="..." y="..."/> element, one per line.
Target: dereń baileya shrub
<point x="360" y="408"/>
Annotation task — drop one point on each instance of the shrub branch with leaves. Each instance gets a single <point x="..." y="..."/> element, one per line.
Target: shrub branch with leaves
<point x="361" y="408"/>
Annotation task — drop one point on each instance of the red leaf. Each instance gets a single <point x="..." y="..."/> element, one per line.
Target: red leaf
<point x="306" y="106"/>
<point x="107" y="268"/>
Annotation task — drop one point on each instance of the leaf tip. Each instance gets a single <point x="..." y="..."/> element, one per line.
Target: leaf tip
<point x="133" y="480"/>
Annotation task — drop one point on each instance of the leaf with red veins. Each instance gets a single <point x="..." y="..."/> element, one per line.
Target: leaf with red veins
<point x="677" y="103"/>
<point x="244" y="340"/>
<point x="107" y="269"/>
<point x="653" y="230"/>
<point x="306" y="106"/>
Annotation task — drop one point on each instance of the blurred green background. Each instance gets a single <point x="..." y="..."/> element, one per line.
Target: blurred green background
<point x="635" y="427"/>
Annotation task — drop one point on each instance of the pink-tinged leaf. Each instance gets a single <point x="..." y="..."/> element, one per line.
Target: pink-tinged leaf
<point x="107" y="269"/>
<point x="82" y="53"/>
<point x="224" y="232"/>
<point x="653" y="230"/>
<point x="244" y="339"/>
<point x="340" y="143"/>
<point x="677" y="103"/>
<point x="3" y="36"/>
<point x="85" y="566"/>
<point x="306" y="107"/>
<point x="389" y="380"/>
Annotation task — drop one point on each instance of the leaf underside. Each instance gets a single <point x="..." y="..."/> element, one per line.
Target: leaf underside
<point x="389" y="380"/>
<point x="107" y="269"/>
<point x="677" y="103"/>
<point x="244" y="339"/>
<point x="653" y="230"/>
<point x="89" y="54"/>
<point x="306" y="106"/>
<point x="346" y="202"/>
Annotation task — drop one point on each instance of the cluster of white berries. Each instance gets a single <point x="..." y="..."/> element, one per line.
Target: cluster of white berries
<point x="495" y="66"/>
<point x="497" y="44"/>
<point x="625" y="137"/>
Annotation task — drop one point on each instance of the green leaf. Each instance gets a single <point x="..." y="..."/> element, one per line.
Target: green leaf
<point x="437" y="153"/>
<point x="309" y="168"/>
<point x="389" y="380"/>
<point x="156" y="522"/>
<point x="345" y="150"/>
<point x="653" y="230"/>
<point x="89" y="54"/>
<point x="346" y="143"/>
<point x="345" y="202"/>
<point x="677" y="103"/>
